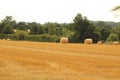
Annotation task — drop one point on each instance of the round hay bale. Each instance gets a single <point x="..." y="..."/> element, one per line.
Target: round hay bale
<point x="88" y="41"/>
<point x="28" y="30"/>
<point x="4" y="39"/>
<point x="99" y="42"/>
<point x="8" y="39"/>
<point x="15" y="30"/>
<point x="64" y="40"/>
<point x="115" y="43"/>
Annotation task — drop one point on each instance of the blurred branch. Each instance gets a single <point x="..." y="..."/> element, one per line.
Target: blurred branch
<point x="116" y="11"/>
<point x="116" y="8"/>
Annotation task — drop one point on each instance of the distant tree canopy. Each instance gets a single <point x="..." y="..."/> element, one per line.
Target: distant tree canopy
<point x="83" y="29"/>
<point x="78" y="30"/>
<point x="36" y="28"/>
<point x="7" y="25"/>
<point x="21" y="26"/>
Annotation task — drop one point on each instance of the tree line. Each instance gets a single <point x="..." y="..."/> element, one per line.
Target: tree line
<point x="76" y="31"/>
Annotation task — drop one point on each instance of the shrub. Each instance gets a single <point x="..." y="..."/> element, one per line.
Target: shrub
<point x="112" y="37"/>
<point x="42" y="38"/>
<point x="2" y="36"/>
<point x="19" y="35"/>
<point x="5" y="36"/>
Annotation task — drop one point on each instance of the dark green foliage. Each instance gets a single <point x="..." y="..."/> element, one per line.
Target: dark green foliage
<point x="1" y="27"/>
<point x="7" y="24"/>
<point x="52" y="28"/>
<point x="19" y="35"/>
<point x="2" y="36"/>
<point x="8" y="21"/>
<point x="104" y="33"/>
<point x="117" y="31"/>
<point x="112" y="37"/>
<point x="75" y="38"/>
<point x="7" y="30"/>
<point x="42" y="38"/>
<point x="7" y="36"/>
<point x="78" y="30"/>
<point x="83" y="29"/>
<point x="36" y="28"/>
<point x="21" y="26"/>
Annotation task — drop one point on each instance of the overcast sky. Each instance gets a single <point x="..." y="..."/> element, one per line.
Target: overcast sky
<point x="57" y="10"/>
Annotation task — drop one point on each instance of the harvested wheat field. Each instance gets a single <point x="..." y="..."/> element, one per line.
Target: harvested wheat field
<point x="21" y="60"/>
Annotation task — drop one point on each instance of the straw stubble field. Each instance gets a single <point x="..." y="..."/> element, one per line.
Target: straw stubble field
<point x="21" y="60"/>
